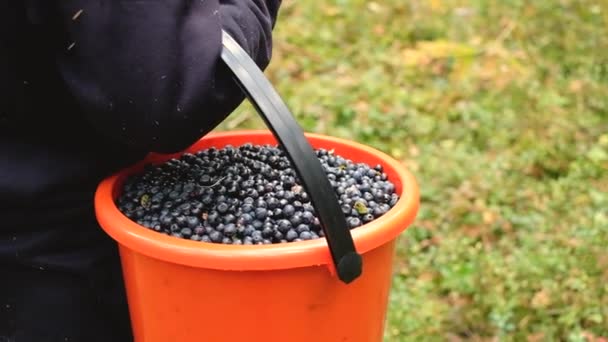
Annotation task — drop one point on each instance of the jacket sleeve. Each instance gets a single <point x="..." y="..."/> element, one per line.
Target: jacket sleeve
<point x="148" y="72"/>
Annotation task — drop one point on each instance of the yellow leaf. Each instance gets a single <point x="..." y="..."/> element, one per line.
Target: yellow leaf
<point x="436" y="5"/>
<point x="541" y="299"/>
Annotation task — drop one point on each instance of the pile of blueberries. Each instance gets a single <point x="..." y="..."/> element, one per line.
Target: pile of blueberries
<point x="248" y="195"/>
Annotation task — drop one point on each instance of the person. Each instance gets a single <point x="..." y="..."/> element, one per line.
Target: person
<point x="88" y="87"/>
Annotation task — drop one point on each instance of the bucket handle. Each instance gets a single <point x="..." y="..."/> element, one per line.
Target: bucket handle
<point x="289" y="134"/>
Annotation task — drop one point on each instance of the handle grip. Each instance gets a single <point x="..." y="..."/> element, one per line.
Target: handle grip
<point x="289" y="134"/>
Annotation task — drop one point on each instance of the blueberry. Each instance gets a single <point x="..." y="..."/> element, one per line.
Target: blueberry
<point x="261" y="213"/>
<point x="222" y="208"/>
<point x="272" y="203"/>
<point x="247" y="208"/>
<point x="192" y="221"/>
<point x="308" y="207"/>
<point x="368" y="218"/>
<point x="380" y="210"/>
<point x="394" y="199"/>
<point x="230" y="229"/>
<point x="233" y="195"/>
<point x="302" y="228"/>
<point x="257" y="237"/>
<point x="252" y="193"/>
<point x="166" y="221"/>
<point x="296" y="219"/>
<point x="207" y="200"/>
<point x="308" y="217"/>
<point x="283" y="226"/>
<point x="346" y="209"/>
<point x="354" y="222"/>
<point x="289" y="210"/>
<point x="245" y="219"/>
<point x="196" y="211"/>
<point x="289" y="196"/>
<point x="260" y="203"/>
<point x="291" y="235"/>
<point x="305" y="235"/>
<point x="229" y="218"/>
<point x="249" y="229"/>
<point x="213" y="217"/>
<point x="267" y="232"/>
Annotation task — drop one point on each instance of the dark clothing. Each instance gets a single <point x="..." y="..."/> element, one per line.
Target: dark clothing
<point x="42" y="305"/>
<point x="88" y="87"/>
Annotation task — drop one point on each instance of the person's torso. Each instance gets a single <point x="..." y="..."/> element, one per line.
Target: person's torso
<point x="51" y="158"/>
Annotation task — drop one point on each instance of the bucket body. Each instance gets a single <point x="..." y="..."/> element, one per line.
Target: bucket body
<point x="181" y="290"/>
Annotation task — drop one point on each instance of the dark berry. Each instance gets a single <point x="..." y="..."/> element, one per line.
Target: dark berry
<point x="229" y="218"/>
<point x="261" y="213"/>
<point x="291" y="235"/>
<point x="283" y="226"/>
<point x="230" y="229"/>
<point x="305" y="235"/>
<point x="215" y="236"/>
<point x="302" y="228"/>
<point x="257" y="237"/>
<point x="249" y="195"/>
<point x="354" y="222"/>
<point x="192" y="221"/>
<point x="267" y="232"/>
<point x="289" y="210"/>
<point x="248" y="231"/>
<point x="222" y="208"/>
<point x="368" y="218"/>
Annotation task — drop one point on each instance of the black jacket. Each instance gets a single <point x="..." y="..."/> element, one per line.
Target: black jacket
<point x="90" y="86"/>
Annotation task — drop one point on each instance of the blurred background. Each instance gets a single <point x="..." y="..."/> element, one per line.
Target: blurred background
<point x="500" y="109"/>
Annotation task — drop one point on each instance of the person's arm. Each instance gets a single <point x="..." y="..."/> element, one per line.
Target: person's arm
<point x="149" y="73"/>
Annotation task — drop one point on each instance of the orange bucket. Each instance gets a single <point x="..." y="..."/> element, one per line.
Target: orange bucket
<point x="181" y="290"/>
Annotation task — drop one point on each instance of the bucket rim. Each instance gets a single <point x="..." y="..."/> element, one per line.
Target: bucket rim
<point x="128" y="234"/>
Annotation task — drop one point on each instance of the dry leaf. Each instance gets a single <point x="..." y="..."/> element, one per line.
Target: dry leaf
<point x="541" y="299"/>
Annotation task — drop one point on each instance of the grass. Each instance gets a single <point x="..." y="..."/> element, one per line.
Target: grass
<point x="500" y="108"/>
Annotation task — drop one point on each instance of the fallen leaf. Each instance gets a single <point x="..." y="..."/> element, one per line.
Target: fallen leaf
<point x="541" y="299"/>
<point x="576" y="86"/>
<point x="379" y="30"/>
<point x="536" y="337"/>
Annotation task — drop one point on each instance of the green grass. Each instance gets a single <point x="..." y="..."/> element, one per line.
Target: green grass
<point x="500" y="108"/>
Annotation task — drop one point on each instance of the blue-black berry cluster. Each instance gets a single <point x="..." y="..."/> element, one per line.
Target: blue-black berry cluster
<point x="248" y="195"/>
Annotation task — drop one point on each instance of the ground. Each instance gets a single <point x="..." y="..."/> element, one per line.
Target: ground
<point x="500" y="109"/>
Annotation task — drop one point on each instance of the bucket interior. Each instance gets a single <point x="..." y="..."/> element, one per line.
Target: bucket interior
<point x="258" y="257"/>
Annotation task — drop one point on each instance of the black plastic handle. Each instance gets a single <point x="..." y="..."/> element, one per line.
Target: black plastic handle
<point x="278" y="118"/>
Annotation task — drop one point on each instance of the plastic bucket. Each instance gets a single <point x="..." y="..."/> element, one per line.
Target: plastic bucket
<point x="182" y="290"/>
